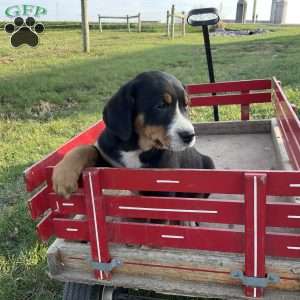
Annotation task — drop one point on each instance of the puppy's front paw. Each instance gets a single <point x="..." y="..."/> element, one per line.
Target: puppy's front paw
<point x="67" y="171"/>
<point x="64" y="180"/>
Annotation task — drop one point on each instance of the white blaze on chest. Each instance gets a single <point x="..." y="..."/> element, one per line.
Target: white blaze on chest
<point x="131" y="159"/>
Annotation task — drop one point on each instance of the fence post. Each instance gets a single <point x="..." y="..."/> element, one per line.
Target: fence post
<point x="100" y="23"/>
<point x="168" y="24"/>
<point x="139" y="23"/>
<point x="255" y="229"/>
<point x="85" y="26"/>
<point x="172" y="21"/>
<point x="183" y="24"/>
<point x="128" y="24"/>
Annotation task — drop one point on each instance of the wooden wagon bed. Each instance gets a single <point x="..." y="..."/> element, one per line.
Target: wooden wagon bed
<point x="249" y="224"/>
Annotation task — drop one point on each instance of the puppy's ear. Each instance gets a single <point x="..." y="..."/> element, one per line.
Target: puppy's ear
<point x="118" y="112"/>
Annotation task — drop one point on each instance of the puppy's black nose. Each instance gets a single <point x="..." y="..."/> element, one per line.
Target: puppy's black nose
<point x="186" y="136"/>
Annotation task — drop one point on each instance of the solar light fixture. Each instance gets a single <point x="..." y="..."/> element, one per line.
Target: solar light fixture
<point x="205" y="17"/>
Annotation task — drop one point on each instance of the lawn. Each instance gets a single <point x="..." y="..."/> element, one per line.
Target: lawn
<point x="50" y="93"/>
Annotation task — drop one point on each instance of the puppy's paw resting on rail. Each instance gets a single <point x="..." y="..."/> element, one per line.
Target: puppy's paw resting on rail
<point x="67" y="172"/>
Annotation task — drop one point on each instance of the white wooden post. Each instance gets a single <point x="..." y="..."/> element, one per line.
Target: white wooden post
<point x="183" y="24"/>
<point x="139" y="23"/>
<point x="254" y="11"/>
<point x="100" y="23"/>
<point x="85" y="26"/>
<point x="128" y="24"/>
<point x="168" y="24"/>
<point x="172" y="21"/>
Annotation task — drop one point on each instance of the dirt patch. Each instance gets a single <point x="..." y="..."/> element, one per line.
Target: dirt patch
<point x="45" y="108"/>
<point x="6" y="60"/>
<point x="227" y="32"/>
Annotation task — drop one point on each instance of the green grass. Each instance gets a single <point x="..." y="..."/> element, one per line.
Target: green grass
<point x="50" y="93"/>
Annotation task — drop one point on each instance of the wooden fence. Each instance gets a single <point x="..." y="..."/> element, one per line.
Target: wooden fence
<point x="127" y="18"/>
<point x="171" y="18"/>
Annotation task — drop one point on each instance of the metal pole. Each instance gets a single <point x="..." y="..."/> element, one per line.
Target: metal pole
<point x="85" y="26"/>
<point x="210" y="64"/>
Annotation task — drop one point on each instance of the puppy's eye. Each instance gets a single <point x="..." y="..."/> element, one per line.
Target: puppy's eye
<point x="161" y="105"/>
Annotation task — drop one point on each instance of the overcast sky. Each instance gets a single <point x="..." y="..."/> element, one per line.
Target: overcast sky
<point x="150" y="9"/>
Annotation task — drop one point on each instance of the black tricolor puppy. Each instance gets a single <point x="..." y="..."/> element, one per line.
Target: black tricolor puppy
<point x="146" y="127"/>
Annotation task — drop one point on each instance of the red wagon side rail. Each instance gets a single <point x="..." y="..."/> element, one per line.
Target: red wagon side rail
<point x="243" y="92"/>
<point x="255" y="213"/>
<point x="110" y="218"/>
<point x="288" y="122"/>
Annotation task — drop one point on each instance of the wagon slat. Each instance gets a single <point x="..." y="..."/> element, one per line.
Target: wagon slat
<point x="230" y="86"/>
<point x="38" y="204"/>
<point x="74" y="230"/>
<point x="158" y="235"/>
<point x="230" y="99"/>
<point x="280" y="183"/>
<point x="170" y="180"/>
<point x="176" y="236"/>
<point x="283" y="214"/>
<point x="73" y="205"/>
<point x="182" y="209"/>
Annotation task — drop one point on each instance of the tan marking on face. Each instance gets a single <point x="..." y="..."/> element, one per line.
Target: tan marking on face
<point x="167" y="98"/>
<point x="151" y="136"/>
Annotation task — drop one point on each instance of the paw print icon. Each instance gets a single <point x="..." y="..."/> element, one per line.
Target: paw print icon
<point x="24" y="32"/>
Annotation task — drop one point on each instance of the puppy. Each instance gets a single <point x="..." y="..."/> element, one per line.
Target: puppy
<point x="146" y="127"/>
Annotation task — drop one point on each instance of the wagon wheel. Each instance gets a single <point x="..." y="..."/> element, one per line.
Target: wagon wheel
<point x="107" y="293"/>
<point x="79" y="291"/>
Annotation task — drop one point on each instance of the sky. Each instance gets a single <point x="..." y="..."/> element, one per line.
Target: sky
<point x="69" y="10"/>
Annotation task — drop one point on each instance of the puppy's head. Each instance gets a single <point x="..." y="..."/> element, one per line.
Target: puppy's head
<point x="152" y="106"/>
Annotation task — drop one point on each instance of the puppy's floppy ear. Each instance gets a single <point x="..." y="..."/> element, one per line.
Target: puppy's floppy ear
<point x="118" y="112"/>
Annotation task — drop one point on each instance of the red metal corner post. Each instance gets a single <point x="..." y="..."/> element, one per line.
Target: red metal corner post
<point x="95" y="209"/>
<point x="255" y="227"/>
<point x="245" y="109"/>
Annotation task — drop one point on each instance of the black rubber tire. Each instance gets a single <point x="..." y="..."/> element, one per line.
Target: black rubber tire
<point x="80" y="291"/>
<point x="119" y="293"/>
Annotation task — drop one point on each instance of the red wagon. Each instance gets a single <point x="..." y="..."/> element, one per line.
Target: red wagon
<point x="247" y="232"/>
